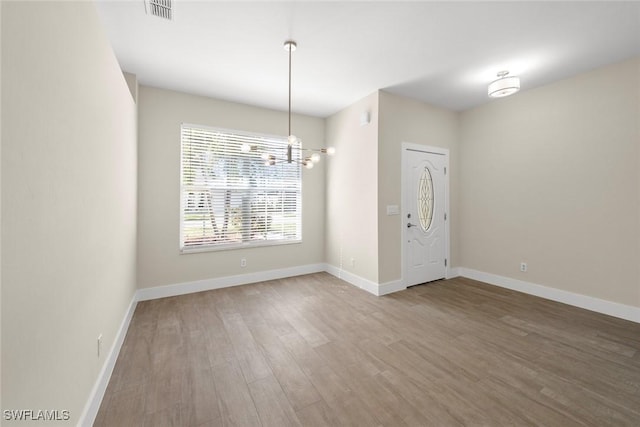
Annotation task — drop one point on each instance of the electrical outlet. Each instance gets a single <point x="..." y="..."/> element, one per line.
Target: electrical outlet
<point x="99" y="345"/>
<point x="243" y="262"/>
<point x="523" y="267"/>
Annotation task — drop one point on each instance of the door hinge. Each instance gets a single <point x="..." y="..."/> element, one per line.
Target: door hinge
<point x="445" y="262"/>
<point x="445" y="170"/>
<point x="445" y="216"/>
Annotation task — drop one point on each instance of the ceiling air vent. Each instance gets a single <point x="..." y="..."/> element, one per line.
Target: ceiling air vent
<point x="159" y="8"/>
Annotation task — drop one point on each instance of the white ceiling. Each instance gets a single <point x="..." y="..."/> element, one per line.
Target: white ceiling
<point x="443" y="53"/>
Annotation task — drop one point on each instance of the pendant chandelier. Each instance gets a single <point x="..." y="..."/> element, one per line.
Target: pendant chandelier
<point x="309" y="156"/>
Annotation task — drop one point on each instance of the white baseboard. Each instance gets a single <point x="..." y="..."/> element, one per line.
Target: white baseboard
<point x="453" y="272"/>
<point x="391" y="287"/>
<point x="365" y="284"/>
<point x="353" y="279"/>
<point x="97" y="393"/>
<point x="610" y="308"/>
<point x="145" y="294"/>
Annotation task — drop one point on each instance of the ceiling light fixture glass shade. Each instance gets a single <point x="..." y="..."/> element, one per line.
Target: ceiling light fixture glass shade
<point x="505" y="85"/>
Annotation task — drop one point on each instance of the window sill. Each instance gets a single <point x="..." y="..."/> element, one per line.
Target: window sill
<point x="235" y="246"/>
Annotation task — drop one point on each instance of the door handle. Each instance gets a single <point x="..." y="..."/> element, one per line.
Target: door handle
<point x="409" y="225"/>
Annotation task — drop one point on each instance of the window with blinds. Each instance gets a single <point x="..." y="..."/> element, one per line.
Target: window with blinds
<point x="230" y="197"/>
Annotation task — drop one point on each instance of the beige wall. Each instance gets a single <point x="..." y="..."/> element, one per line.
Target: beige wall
<point x="551" y="177"/>
<point x="406" y="120"/>
<point x="352" y="176"/>
<point x="68" y="204"/>
<point x="1" y="406"/>
<point x="161" y="113"/>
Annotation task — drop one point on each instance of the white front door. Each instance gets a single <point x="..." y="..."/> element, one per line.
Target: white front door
<point x="425" y="237"/>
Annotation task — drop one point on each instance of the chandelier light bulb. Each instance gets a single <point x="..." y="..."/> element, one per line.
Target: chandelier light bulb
<point x="331" y="151"/>
<point x="315" y="157"/>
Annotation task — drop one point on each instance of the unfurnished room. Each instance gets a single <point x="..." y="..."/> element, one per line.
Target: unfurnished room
<point x="319" y="213"/>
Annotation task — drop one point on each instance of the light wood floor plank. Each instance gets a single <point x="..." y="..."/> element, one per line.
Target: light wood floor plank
<point x="317" y="415"/>
<point x="234" y="399"/>
<point x="252" y="362"/>
<point x="296" y="385"/>
<point x="273" y="406"/>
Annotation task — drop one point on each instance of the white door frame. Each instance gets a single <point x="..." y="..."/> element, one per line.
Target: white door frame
<point x="408" y="146"/>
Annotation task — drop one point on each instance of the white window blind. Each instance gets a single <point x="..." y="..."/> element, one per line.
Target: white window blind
<point x="229" y="197"/>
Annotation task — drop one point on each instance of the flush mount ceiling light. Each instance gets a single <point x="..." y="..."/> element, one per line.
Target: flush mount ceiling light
<point x="505" y="85"/>
<point x="310" y="156"/>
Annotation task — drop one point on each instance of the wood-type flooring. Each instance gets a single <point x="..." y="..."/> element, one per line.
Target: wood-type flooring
<point x="315" y="351"/>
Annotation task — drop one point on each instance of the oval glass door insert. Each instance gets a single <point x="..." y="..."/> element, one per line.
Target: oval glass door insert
<point x="425" y="199"/>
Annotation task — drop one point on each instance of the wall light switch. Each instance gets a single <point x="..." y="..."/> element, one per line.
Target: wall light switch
<point x="393" y="210"/>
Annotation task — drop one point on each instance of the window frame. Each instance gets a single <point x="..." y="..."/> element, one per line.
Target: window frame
<point x="244" y="243"/>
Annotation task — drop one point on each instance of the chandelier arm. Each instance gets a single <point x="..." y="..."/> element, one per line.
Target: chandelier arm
<point x="309" y="160"/>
